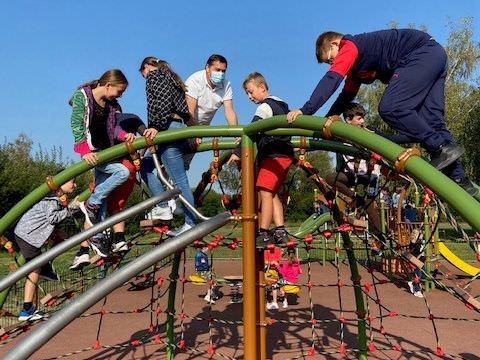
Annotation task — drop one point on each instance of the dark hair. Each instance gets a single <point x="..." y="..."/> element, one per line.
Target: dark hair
<point x="113" y="76"/>
<point x="353" y="109"/>
<point x="163" y="65"/>
<point x="216" y="57"/>
<point x="323" y="44"/>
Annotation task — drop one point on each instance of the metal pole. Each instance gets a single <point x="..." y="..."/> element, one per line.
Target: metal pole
<point x="250" y="268"/>
<point x="51" y="254"/>
<point x="40" y="335"/>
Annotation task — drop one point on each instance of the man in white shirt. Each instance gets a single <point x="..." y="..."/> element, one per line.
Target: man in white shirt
<point x="208" y="90"/>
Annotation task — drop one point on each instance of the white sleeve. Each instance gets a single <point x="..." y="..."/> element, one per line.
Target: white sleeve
<point x="193" y="89"/>
<point x="264" y="111"/>
<point x="228" y="92"/>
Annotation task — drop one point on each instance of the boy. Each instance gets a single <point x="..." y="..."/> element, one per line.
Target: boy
<point x="275" y="155"/>
<point x="414" y="66"/>
<point x="33" y="229"/>
<point x="350" y="173"/>
<point x="202" y="267"/>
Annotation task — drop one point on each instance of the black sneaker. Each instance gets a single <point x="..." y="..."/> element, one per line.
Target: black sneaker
<point x="446" y="155"/>
<point x="101" y="245"/>
<point x="280" y="236"/>
<point x="47" y="273"/>
<point x="467" y="185"/>
<point x="263" y="239"/>
<point x="90" y="213"/>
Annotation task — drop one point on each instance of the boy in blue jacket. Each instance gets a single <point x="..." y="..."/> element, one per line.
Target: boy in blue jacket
<point x="414" y="66"/>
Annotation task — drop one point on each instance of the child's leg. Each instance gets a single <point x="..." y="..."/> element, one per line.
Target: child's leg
<point x="277" y="211"/>
<point x="31" y="287"/>
<point x="341" y="181"/>
<point x="274" y="295"/>
<point x="266" y="210"/>
<point x="107" y="178"/>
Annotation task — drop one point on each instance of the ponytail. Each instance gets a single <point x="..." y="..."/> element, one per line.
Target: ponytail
<point x="163" y="65"/>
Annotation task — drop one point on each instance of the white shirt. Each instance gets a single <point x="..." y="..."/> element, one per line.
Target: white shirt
<point x="208" y="100"/>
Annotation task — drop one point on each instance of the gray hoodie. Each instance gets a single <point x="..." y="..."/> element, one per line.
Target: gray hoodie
<point x="38" y="223"/>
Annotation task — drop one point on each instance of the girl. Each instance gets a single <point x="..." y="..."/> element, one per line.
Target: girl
<point x="167" y="109"/>
<point x="290" y="270"/>
<point x="94" y="126"/>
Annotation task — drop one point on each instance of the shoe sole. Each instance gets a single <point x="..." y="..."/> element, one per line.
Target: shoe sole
<point x="122" y="248"/>
<point x="98" y="250"/>
<point x="79" y="265"/>
<point x="85" y="213"/>
<point x="456" y="155"/>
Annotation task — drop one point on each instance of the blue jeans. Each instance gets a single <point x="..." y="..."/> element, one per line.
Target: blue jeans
<point x="107" y="178"/>
<point x="171" y="155"/>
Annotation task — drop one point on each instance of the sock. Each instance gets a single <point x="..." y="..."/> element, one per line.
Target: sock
<point x="262" y="231"/>
<point x="27" y="305"/>
<point x="118" y="236"/>
<point x="82" y="250"/>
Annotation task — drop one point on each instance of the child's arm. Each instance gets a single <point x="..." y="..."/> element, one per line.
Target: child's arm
<point x="55" y="213"/>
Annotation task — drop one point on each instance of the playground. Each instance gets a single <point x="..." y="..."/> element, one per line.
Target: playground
<point x="349" y="301"/>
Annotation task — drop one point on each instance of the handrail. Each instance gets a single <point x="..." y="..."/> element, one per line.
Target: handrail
<point x="44" y="332"/>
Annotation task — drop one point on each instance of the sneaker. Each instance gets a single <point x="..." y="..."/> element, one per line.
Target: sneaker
<point x="272" y="306"/>
<point x="160" y="213"/>
<point x="47" y="273"/>
<point x="209" y="299"/>
<point x="418" y="294"/>
<point x="31" y="314"/>
<point x="180" y="230"/>
<point x="120" y="246"/>
<point x="467" y="185"/>
<point x="285" y="304"/>
<point x="280" y="236"/>
<point x="410" y="286"/>
<point x="446" y="155"/>
<point x="263" y="239"/>
<point x="90" y="213"/>
<point x="101" y="246"/>
<point x="80" y="261"/>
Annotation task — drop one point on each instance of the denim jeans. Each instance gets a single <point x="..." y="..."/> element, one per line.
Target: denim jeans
<point x="107" y="177"/>
<point x="171" y="155"/>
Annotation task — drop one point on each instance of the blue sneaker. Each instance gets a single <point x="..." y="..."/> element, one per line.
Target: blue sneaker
<point x="31" y="314"/>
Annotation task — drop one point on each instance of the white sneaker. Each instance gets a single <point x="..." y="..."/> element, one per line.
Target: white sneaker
<point x="418" y="294"/>
<point x="80" y="261"/>
<point x="120" y="246"/>
<point x="410" y="286"/>
<point x="209" y="299"/>
<point x="160" y="213"/>
<point x="272" y="306"/>
<point x="285" y="303"/>
<point x="180" y="230"/>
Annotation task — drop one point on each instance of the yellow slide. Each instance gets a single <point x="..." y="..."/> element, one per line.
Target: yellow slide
<point x="456" y="261"/>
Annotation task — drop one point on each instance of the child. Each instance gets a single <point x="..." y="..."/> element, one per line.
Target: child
<point x="319" y="208"/>
<point x="350" y="173"/>
<point x="33" y="229"/>
<point x="271" y="258"/>
<point x="290" y="270"/>
<point x="414" y="66"/>
<point x="202" y="267"/>
<point x="167" y="109"/>
<point x="417" y="248"/>
<point x="275" y="155"/>
<point x="95" y="128"/>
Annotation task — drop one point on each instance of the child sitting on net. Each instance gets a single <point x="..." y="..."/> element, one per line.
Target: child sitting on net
<point x="203" y="269"/>
<point x="290" y="271"/>
<point x="417" y="249"/>
<point x="272" y="257"/>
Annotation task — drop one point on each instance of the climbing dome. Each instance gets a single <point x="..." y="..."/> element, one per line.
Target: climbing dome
<point x="349" y="301"/>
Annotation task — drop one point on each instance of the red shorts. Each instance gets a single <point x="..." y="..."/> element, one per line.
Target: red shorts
<point x="273" y="172"/>
<point x="118" y="198"/>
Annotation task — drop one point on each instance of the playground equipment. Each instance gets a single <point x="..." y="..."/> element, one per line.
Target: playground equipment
<point x="254" y="317"/>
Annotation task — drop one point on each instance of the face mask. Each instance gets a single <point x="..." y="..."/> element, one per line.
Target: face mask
<point x="217" y="77"/>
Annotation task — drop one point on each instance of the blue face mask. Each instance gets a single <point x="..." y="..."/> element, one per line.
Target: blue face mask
<point x="217" y="77"/>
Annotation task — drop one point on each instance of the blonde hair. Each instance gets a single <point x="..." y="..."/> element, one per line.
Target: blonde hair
<point x="163" y="65"/>
<point x="323" y="44"/>
<point x="257" y="78"/>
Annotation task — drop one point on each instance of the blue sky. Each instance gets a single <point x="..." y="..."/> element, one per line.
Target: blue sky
<point x="51" y="47"/>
